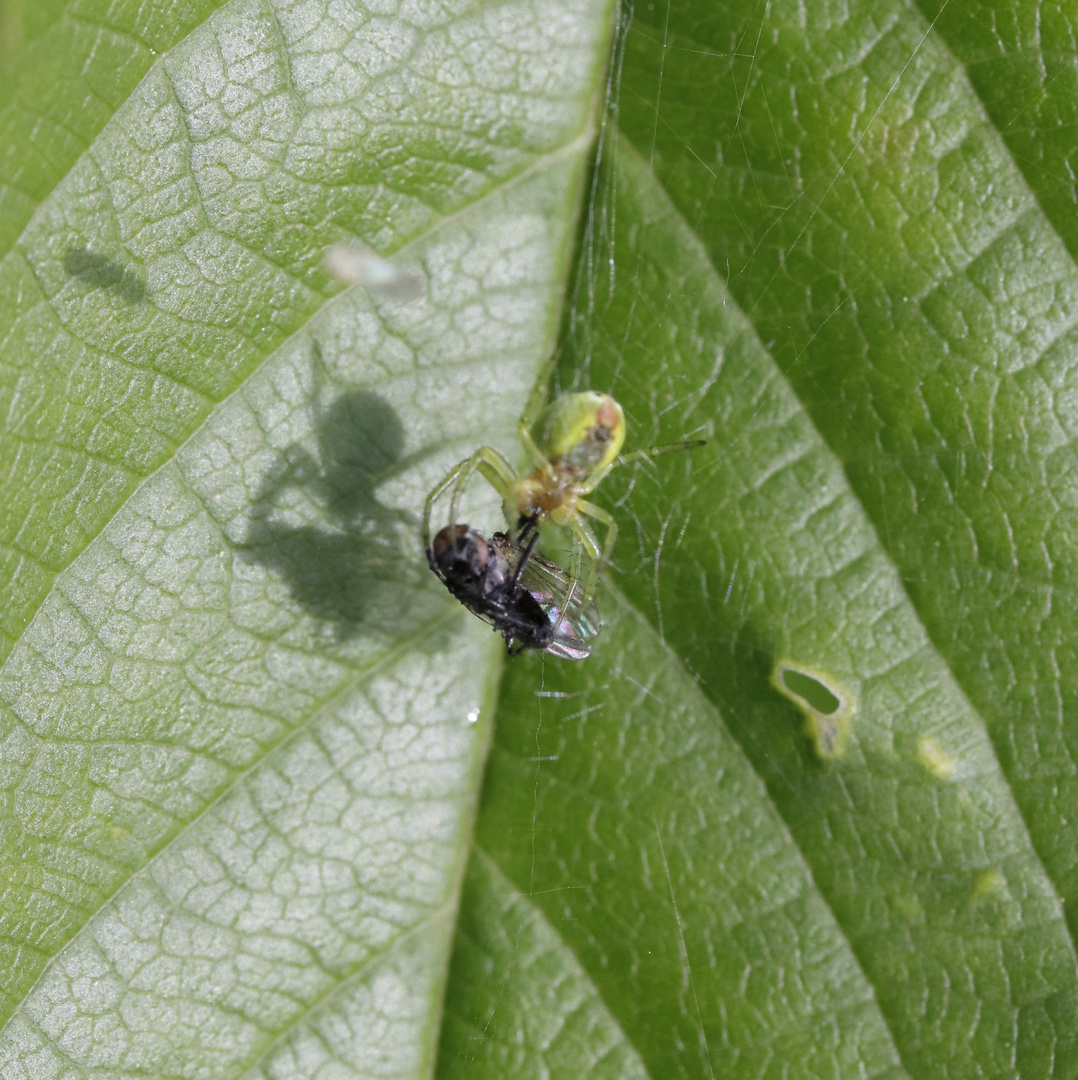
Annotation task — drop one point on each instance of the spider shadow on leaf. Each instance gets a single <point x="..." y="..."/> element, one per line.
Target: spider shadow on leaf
<point x="318" y="525"/>
<point x="98" y="272"/>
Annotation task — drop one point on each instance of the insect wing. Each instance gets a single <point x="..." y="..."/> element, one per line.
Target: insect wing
<point x="575" y="623"/>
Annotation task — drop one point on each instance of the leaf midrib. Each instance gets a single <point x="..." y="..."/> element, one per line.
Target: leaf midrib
<point x="494" y="866"/>
<point x="441" y="911"/>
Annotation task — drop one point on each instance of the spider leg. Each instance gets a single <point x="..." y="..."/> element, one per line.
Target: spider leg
<point x="599" y="557"/>
<point x="541" y="388"/>
<point x="591" y="482"/>
<point x="495" y="469"/>
<point x="433" y="495"/>
<point x="537" y="399"/>
<point x="653" y="451"/>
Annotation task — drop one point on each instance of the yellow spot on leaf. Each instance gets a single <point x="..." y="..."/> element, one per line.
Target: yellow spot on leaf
<point x="988" y="881"/>
<point x="935" y="759"/>
<point x="909" y="908"/>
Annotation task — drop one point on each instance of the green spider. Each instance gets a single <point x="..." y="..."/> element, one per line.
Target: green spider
<point x="571" y="443"/>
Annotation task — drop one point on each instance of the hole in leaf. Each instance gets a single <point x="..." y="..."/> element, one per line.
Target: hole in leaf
<point x="816" y="695"/>
<point x="826" y="704"/>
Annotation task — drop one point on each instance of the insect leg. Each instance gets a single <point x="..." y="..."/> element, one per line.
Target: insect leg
<point x="525" y="558"/>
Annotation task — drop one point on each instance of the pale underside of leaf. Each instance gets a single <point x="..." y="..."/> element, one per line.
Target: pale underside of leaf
<point x="242" y="724"/>
<point x="185" y="245"/>
<point x="250" y="666"/>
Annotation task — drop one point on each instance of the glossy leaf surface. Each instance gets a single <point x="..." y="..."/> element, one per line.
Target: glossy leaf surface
<point x="816" y="239"/>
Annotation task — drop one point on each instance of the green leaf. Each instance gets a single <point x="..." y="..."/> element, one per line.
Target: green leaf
<point x="810" y="807"/>
<point x="638" y="838"/>
<point x="810" y="242"/>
